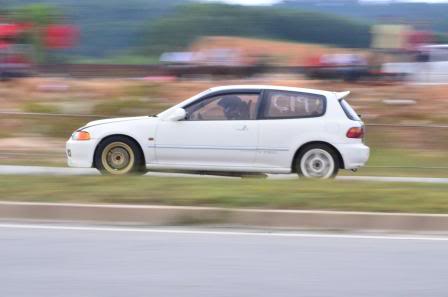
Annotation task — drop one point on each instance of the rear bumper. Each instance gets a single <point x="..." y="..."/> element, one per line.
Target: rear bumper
<point x="355" y="155"/>
<point x="80" y="153"/>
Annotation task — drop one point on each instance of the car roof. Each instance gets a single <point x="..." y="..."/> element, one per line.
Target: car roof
<point x="337" y="95"/>
<point x="329" y="95"/>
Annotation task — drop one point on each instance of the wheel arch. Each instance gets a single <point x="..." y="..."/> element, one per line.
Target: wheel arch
<point x="307" y="144"/>
<point x="130" y="138"/>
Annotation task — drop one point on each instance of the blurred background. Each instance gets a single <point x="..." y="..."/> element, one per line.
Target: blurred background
<point x="66" y="62"/>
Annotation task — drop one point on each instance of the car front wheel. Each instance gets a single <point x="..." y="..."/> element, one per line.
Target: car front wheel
<point x="318" y="162"/>
<point x="119" y="155"/>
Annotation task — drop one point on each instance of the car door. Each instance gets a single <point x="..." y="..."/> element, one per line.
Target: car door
<point x="219" y="132"/>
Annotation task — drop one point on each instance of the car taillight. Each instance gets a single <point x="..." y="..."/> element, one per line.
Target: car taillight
<point x="355" y="132"/>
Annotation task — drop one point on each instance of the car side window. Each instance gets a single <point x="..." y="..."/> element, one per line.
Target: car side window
<point x="224" y="107"/>
<point x="284" y="104"/>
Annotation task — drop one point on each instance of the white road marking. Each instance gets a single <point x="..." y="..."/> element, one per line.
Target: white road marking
<point x="213" y="232"/>
<point x="185" y="207"/>
<point x="39" y="170"/>
<point x="396" y="179"/>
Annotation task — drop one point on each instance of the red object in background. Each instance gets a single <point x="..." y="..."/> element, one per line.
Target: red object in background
<point x="11" y="30"/>
<point x="24" y="26"/>
<point x="313" y="61"/>
<point x="4" y="45"/>
<point x="60" y="36"/>
<point x="415" y="39"/>
<point x="17" y="59"/>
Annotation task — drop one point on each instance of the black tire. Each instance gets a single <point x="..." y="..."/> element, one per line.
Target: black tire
<point x="119" y="155"/>
<point x="326" y="152"/>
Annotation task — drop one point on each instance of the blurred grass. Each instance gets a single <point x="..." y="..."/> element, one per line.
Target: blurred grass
<point x="130" y="107"/>
<point x="139" y="100"/>
<point x="420" y="138"/>
<point x="39" y="107"/>
<point x="396" y="171"/>
<point x="257" y="193"/>
<point x="404" y="162"/>
<point x="127" y="59"/>
<point x="152" y="90"/>
<point x="52" y="126"/>
<point x="34" y="161"/>
<point x="408" y="157"/>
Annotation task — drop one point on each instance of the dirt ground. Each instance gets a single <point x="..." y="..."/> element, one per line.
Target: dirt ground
<point x="277" y="52"/>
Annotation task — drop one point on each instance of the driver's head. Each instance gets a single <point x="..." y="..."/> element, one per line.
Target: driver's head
<point x="232" y="106"/>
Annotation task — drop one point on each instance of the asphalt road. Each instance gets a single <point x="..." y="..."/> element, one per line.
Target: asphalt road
<point x="91" y="261"/>
<point x="42" y="170"/>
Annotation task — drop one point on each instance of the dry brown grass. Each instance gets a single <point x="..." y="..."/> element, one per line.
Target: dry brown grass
<point x="35" y="94"/>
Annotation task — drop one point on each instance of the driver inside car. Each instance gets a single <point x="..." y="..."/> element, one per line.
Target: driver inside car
<point x="234" y="108"/>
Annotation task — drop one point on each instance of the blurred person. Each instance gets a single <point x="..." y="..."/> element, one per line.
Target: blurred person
<point x="235" y="108"/>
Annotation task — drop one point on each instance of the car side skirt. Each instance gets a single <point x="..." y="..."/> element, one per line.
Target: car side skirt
<point x="278" y="170"/>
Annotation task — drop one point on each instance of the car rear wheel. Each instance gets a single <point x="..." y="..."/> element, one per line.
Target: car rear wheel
<point x="119" y="155"/>
<point x="317" y="162"/>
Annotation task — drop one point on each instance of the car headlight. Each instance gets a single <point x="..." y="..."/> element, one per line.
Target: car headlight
<point x="81" y="135"/>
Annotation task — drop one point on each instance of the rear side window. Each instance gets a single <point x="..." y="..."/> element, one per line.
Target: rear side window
<point x="283" y="104"/>
<point x="349" y="111"/>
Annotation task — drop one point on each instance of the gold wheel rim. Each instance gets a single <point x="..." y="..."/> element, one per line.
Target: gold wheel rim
<point x="118" y="158"/>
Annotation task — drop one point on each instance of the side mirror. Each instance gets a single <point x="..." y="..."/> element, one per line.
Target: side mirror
<point x="177" y="115"/>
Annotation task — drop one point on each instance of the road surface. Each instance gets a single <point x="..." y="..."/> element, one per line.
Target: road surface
<point x="73" y="261"/>
<point x="42" y="170"/>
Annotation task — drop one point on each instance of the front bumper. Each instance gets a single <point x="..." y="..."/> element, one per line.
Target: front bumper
<point x="80" y="152"/>
<point x="355" y="155"/>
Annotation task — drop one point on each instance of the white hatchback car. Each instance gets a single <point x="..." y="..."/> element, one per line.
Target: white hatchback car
<point x="231" y="129"/>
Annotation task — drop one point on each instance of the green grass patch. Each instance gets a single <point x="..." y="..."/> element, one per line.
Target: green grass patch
<point x="130" y="107"/>
<point x="144" y="90"/>
<point x="257" y="193"/>
<point x="408" y="157"/>
<point x="39" y="107"/>
<point x="125" y="59"/>
<point x="404" y="162"/>
<point x="58" y="127"/>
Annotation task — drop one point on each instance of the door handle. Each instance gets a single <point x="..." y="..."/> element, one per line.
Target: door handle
<point x="243" y="128"/>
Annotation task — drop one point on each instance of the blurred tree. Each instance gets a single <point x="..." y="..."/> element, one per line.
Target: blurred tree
<point x="424" y="15"/>
<point x="111" y="27"/>
<point x="441" y="38"/>
<point x="39" y="16"/>
<point x="195" y="20"/>
<point x="107" y="27"/>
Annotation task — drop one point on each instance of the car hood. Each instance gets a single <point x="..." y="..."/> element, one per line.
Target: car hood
<point x="114" y="120"/>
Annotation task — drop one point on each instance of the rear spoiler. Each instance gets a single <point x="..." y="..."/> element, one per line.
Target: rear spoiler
<point x="342" y="95"/>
